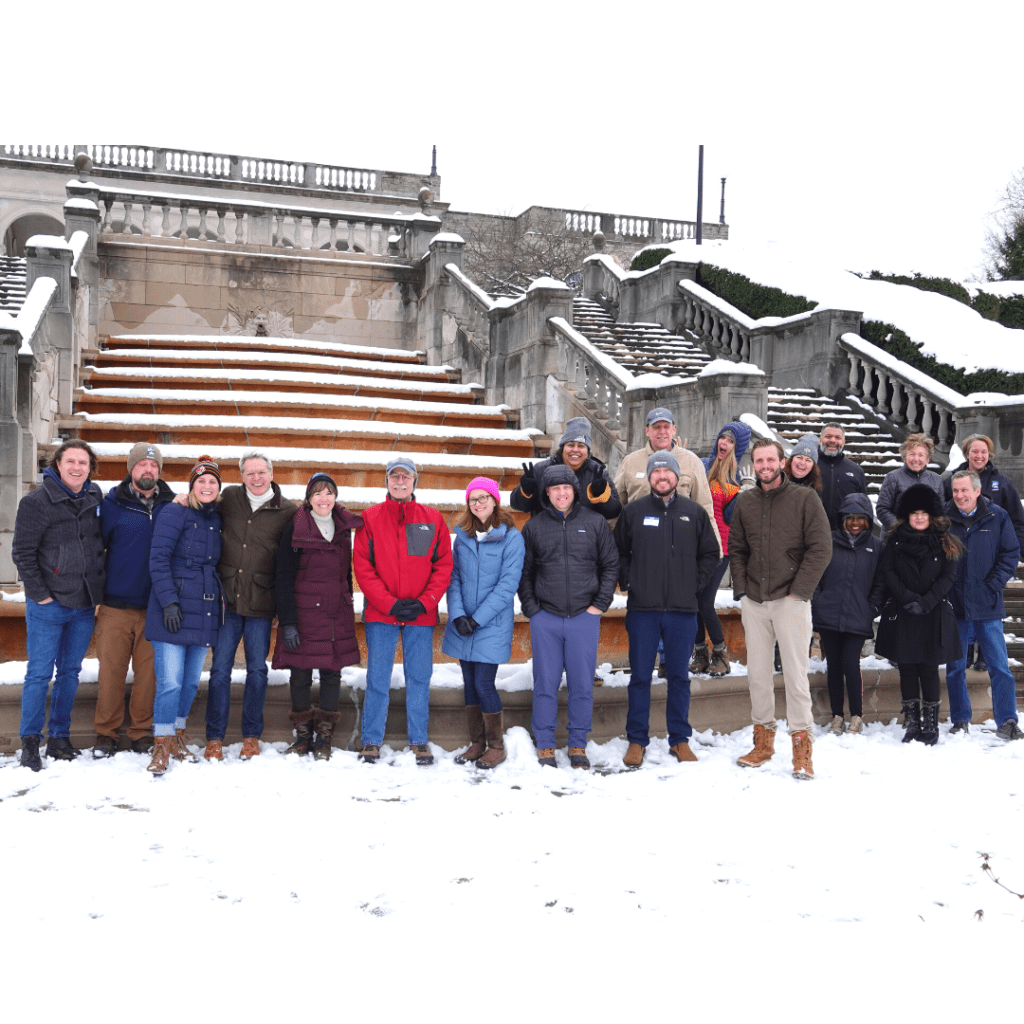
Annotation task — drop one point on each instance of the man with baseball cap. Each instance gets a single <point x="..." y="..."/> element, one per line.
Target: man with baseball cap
<point x="667" y="552"/>
<point x="403" y="563"/>
<point x="126" y="522"/>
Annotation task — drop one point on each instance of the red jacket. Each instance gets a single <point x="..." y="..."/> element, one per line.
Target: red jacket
<point x="403" y="551"/>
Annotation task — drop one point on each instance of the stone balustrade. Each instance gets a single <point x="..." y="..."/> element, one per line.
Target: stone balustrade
<point x="723" y="328"/>
<point x="639" y="230"/>
<point x="305" y="231"/>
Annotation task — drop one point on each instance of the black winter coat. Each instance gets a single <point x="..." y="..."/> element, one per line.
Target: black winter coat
<point x="840" y="477"/>
<point x="915" y="568"/>
<point x="58" y="545"/>
<point x="314" y="592"/>
<point x="592" y="493"/>
<point x="570" y="563"/>
<point x="666" y="553"/>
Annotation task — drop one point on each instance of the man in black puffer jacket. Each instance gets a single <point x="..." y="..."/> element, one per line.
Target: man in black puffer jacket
<point x="667" y="552"/>
<point x="569" y="575"/>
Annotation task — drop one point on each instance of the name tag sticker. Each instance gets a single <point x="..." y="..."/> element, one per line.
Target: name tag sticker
<point x="640" y="476"/>
<point x="651" y="520"/>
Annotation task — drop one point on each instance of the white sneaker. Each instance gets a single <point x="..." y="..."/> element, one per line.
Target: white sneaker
<point x="856" y="725"/>
<point x="838" y="726"/>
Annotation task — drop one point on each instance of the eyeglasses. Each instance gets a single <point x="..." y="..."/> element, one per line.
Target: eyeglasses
<point x="481" y="501"/>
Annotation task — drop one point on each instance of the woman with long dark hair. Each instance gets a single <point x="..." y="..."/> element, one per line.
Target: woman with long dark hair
<point x="316" y="621"/>
<point x="487" y="563"/>
<point x="918" y="628"/>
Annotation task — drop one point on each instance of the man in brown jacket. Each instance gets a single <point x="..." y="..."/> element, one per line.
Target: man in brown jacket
<point x="779" y="546"/>
<point x="254" y="516"/>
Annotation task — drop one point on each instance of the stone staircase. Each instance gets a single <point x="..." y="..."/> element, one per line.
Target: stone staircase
<point x="13" y="270"/>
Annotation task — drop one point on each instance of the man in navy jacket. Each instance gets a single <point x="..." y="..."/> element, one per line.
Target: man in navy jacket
<point x="667" y="552"/>
<point x="126" y="520"/>
<point x="991" y="553"/>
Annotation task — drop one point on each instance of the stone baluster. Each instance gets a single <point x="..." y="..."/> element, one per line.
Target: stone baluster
<point x="928" y="419"/>
<point x="350" y="239"/>
<point x="222" y="212"/>
<point x="314" y="234"/>
<point x="239" y="226"/>
<point x="203" y="235"/>
<point x="912" y="409"/>
<point x="126" y="223"/>
<point x="147" y="209"/>
<point x="581" y="378"/>
<point x="943" y="441"/>
<point x="615" y="398"/>
<point x="165" y="220"/>
<point x="744" y="347"/>
<point x="882" y="393"/>
<point x="278" y="229"/>
<point x="592" y="388"/>
<point x="898" y="391"/>
<point x="854" y="378"/>
<point x="688" y="311"/>
<point x="182" y="231"/>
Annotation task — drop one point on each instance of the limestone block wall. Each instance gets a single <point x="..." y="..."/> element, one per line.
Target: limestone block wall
<point x="172" y="287"/>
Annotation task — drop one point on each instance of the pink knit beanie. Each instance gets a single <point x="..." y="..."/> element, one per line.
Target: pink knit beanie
<point x="483" y="483"/>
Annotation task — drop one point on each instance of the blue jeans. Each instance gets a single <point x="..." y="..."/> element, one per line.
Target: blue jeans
<point x="417" y="663"/>
<point x="570" y="644"/>
<point x="177" y="679"/>
<point x="645" y="629"/>
<point x="55" y="637"/>
<point x="988" y="634"/>
<point x="254" y="632"/>
<point x="478" y="685"/>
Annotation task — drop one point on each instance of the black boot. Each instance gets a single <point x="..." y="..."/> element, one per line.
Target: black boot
<point x="60" y="749"/>
<point x="911" y="719"/>
<point x="325" y="723"/>
<point x="980" y="665"/>
<point x="303" y="722"/>
<point x="971" y="649"/>
<point x="929" y="723"/>
<point x="30" y="753"/>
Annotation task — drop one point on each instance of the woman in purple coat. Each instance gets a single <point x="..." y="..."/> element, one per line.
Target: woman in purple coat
<point x="316" y="623"/>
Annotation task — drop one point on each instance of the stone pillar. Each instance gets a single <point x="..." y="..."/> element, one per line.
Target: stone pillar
<point x="50" y="256"/>
<point x="424" y="230"/>
<point x="444" y="248"/>
<point x="82" y="214"/>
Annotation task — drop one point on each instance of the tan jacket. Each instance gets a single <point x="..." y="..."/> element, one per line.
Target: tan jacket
<point x="248" y="554"/>
<point x="631" y="481"/>
<point x="779" y="542"/>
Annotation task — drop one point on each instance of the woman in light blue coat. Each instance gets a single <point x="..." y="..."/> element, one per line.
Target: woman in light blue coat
<point x="487" y="562"/>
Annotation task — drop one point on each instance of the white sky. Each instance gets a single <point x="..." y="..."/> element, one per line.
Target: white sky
<point x="883" y="132"/>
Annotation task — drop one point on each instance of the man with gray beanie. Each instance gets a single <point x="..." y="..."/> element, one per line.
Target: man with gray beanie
<point x="667" y="552"/>
<point x="596" y="490"/>
<point x="126" y="522"/>
<point x="403" y="562"/>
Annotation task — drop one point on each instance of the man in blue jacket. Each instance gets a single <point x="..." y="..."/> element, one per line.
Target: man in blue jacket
<point x="991" y="553"/>
<point x="667" y="552"/>
<point x="126" y="519"/>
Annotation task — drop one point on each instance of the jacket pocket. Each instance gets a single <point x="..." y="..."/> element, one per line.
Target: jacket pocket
<point x="419" y="539"/>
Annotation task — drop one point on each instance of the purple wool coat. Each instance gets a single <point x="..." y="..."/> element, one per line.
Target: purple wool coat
<point x="314" y="592"/>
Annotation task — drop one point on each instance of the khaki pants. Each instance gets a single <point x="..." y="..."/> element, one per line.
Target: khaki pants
<point x="788" y="621"/>
<point x="120" y="639"/>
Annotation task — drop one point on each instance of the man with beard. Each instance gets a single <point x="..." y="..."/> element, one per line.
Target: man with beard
<point x="840" y="476"/>
<point x="667" y="552"/>
<point x="779" y="546"/>
<point x="126" y="520"/>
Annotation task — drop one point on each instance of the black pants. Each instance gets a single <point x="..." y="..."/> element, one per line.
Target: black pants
<point x="707" y="617"/>
<point x="301" y="685"/>
<point x="919" y="680"/>
<point x="842" y="652"/>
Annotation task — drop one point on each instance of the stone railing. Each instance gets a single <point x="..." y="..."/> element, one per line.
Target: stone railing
<point x="600" y="383"/>
<point x="286" y="227"/>
<point x="899" y="393"/>
<point x="723" y="328"/>
<point x="639" y="230"/>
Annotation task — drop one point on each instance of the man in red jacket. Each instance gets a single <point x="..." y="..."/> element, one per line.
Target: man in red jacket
<point x="403" y="563"/>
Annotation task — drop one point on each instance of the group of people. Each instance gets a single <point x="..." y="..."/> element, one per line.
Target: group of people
<point x="165" y="578"/>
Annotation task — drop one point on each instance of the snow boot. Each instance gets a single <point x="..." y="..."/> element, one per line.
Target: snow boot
<point x="162" y="746"/>
<point x="30" y="753"/>
<point x="578" y="758"/>
<point x="911" y="719"/>
<point x="179" y="748"/>
<point x="719" y="662"/>
<point x="701" y="660"/>
<point x="838" y="726"/>
<point x="764" y="748"/>
<point x="303" y="722"/>
<point x="494" y="729"/>
<point x="477" y="736"/>
<point x="802" y="767"/>
<point x="546" y="757"/>
<point x="929" y="723"/>
<point x="856" y="725"/>
<point x="60" y="749"/>
<point x="324" y="721"/>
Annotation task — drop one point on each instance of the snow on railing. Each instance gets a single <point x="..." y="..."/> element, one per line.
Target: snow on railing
<point x="601" y="384"/>
<point x="208" y="219"/>
<point x="30" y="317"/>
<point x="642" y="230"/>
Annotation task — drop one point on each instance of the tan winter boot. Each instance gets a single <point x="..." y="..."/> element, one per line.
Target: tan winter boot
<point x="495" y="732"/>
<point x="764" y="748"/>
<point x="700" y="661"/>
<point x="477" y="736"/>
<point x="180" y="749"/>
<point x="802" y="768"/>
<point x="161" y="755"/>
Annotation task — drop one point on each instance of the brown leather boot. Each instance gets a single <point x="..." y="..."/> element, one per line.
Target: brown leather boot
<point x="494" y="730"/>
<point x="324" y="722"/>
<point x="764" y="748"/>
<point x="161" y="755"/>
<point x="477" y="735"/>
<point x="802" y="768"/>
<point x="303" y="722"/>
<point x="179" y="747"/>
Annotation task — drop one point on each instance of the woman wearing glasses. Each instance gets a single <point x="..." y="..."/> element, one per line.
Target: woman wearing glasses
<point x="487" y="562"/>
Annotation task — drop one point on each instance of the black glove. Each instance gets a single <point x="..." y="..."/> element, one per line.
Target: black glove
<point x="172" y="618"/>
<point x="914" y="607"/>
<point x="465" y="626"/>
<point x="407" y="609"/>
<point x="598" y="487"/>
<point x="291" y="637"/>
<point x="528" y="481"/>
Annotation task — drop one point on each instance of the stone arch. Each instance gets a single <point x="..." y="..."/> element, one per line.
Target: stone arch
<point x="24" y="226"/>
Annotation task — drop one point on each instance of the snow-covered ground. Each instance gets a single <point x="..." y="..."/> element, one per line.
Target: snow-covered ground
<point x="445" y="892"/>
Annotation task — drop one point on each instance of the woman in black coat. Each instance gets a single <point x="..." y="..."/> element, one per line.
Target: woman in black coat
<point x="918" y="629"/>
